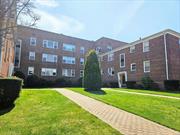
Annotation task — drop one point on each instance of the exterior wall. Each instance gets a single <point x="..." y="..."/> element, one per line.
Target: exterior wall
<point x="155" y="55"/>
<point x="25" y="33"/>
<point x="173" y="54"/>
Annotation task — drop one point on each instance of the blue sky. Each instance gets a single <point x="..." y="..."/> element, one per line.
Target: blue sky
<point x="124" y="20"/>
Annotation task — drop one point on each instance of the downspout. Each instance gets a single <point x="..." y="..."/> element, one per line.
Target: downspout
<point x="166" y="59"/>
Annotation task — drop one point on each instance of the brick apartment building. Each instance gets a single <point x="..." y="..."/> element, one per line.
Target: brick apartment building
<point x="157" y="56"/>
<point x="7" y="20"/>
<point x="51" y="55"/>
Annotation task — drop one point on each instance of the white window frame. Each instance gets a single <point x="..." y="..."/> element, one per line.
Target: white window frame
<point x="111" y="57"/>
<point x="122" y="54"/>
<point x="45" y="58"/>
<point x="82" y="50"/>
<point x="109" y="48"/>
<point x="34" y="56"/>
<point x="145" y="46"/>
<point x="98" y="49"/>
<point x="31" y="39"/>
<point x="73" y="49"/>
<point x="110" y="71"/>
<point x="66" y="72"/>
<point x="132" y="49"/>
<point x="82" y="60"/>
<point x="81" y="73"/>
<point x="46" y="69"/>
<point x="67" y="61"/>
<point x="144" y="64"/>
<point x="46" y="44"/>
<point x="132" y="66"/>
<point x="19" y="57"/>
<point x="30" y="69"/>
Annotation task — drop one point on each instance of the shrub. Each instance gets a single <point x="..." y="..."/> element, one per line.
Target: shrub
<point x="147" y="82"/>
<point x="9" y="91"/>
<point x="19" y="74"/>
<point x="32" y="81"/>
<point x="131" y="84"/>
<point x="62" y="82"/>
<point x="113" y="84"/>
<point x="92" y="74"/>
<point x="171" y="84"/>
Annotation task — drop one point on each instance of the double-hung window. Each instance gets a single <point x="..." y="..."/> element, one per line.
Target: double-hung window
<point x="17" y="54"/>
<point x="82" y="50"/>
<point x="122" y="60"/>
<point x="69" y="47"/>
<point x="68" y="72"/>
<point x="133" y="67"/>
<point x="132" y="49"/>
<point x="50" y="44"/>
<point x="32" y="55"/>
<point x="48" y="72"/>
<point x="146" y="46"/>
<point x="82" y="61"/>
<point x="33" y="41"/>
<point x="146" y="66"/>
<point x="68" y="60"/>
<point x="111" y="71"/>
<point x="111" y="57"/>
<point x="49" y="58"/>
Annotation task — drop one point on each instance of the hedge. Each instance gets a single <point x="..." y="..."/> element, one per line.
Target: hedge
<point x="172" y="85"/>
<point x="9" y="91"/>
<point x="131" y="84"/>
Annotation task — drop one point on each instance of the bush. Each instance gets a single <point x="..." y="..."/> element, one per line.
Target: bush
<point x="19" y="74"/>
<point x="92" y="74"/>
<point x="113" y="84"/>
<point x="131" y="84"/>
<point x="62" y="82"/>
<point x="147" y="82"/>
<point x="172" y="84"/>
<point x="9" y="91"/>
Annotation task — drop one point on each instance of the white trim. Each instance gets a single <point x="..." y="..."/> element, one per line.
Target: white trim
<point x="20" y="43"/>
<point x="149" y="66"/>
<point x="167" y="31"/>
<point x="131" y="67"/>
<point x="31" y="70"/>
<point x="32" y="38"/>
<point x="119" y="81"/>
<point x="166" y="59"/>
<point x="131" y="50"/>
<point x="33" y="55"/>
<point x="120" y="60"/>
<point x="146" y="44"/>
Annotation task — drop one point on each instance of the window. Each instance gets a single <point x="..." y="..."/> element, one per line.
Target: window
<point x="49" y="58"/>
<point x="82" y="50"/>
<point x="17" y="54"/>
<point x="133" y="67"/>
<point x="30" y="70"/>
<point x="111" y="71"/>
<point x="146" y="66"/>
<point x="82" y="61"/>
<point x="48" y="72"/>
<point x="68" y="72"/>
<point x="69" y="47"/>
<point x="68" y="60"/>
<point x="110" y="57"/>
<point x="102" y="72"/>
<point x="122" y="60"/>
<point x="33" y="41"/>
<point x="146" y="46"/>
<point x="109" y="48"/>
<point x="98" y="49"/>
<point x="31" y="55"/>
<point x="50" y="44"/>
<point x="81" y="73"/>
<point x="132" y="49"/>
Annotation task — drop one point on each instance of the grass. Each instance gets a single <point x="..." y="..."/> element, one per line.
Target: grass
<point x="48" y="113"/>
<point x="164" y="93"/>
<point x="161" y="110"/>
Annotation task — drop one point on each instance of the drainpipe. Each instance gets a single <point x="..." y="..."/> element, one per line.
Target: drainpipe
<point x="166" y="59"/>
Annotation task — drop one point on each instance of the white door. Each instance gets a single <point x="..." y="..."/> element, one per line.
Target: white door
<point x="122" y="78"/>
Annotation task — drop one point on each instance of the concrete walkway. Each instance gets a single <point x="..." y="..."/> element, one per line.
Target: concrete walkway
<point x="138" y="93"/>
<point x="126" y="123"/>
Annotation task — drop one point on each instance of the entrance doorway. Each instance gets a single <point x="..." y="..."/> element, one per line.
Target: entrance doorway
<point x="122" y="78"/>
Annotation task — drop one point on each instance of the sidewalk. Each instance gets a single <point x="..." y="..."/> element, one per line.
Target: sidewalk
<point x="125" y="122"/>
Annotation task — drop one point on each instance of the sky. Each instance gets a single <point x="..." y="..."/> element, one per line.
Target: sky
<point x="124" y="20"/>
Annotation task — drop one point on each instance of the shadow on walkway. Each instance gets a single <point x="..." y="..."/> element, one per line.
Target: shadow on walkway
<point x="6" y="110"/>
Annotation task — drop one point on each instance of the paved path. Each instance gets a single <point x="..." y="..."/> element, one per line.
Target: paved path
<point x="124" y="122"/>
<point x="138" y="93"/>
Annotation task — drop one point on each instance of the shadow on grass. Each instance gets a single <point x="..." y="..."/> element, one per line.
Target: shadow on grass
<point x="97" y="92"/>
<point x="6" y="110"/>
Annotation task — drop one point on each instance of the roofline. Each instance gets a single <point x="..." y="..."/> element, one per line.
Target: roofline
<point x="169" y="31"/>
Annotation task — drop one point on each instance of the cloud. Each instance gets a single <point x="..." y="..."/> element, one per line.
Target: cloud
<point x="47" y="3"/>
<point x="59" y="23"/>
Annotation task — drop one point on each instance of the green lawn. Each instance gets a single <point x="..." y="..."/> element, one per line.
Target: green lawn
<point x="161" y="110"/>
<point x="164" y="93"/>
<point x="49" y="113"/>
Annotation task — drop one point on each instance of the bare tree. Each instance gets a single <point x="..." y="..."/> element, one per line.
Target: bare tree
<point x="13" y="12"/>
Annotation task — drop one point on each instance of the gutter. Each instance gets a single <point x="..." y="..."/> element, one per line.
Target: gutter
<point x="166" y="59"/>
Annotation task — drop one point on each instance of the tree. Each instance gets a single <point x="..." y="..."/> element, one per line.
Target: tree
<point x="13" y="12"/>
<point x="92" y="74"/>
